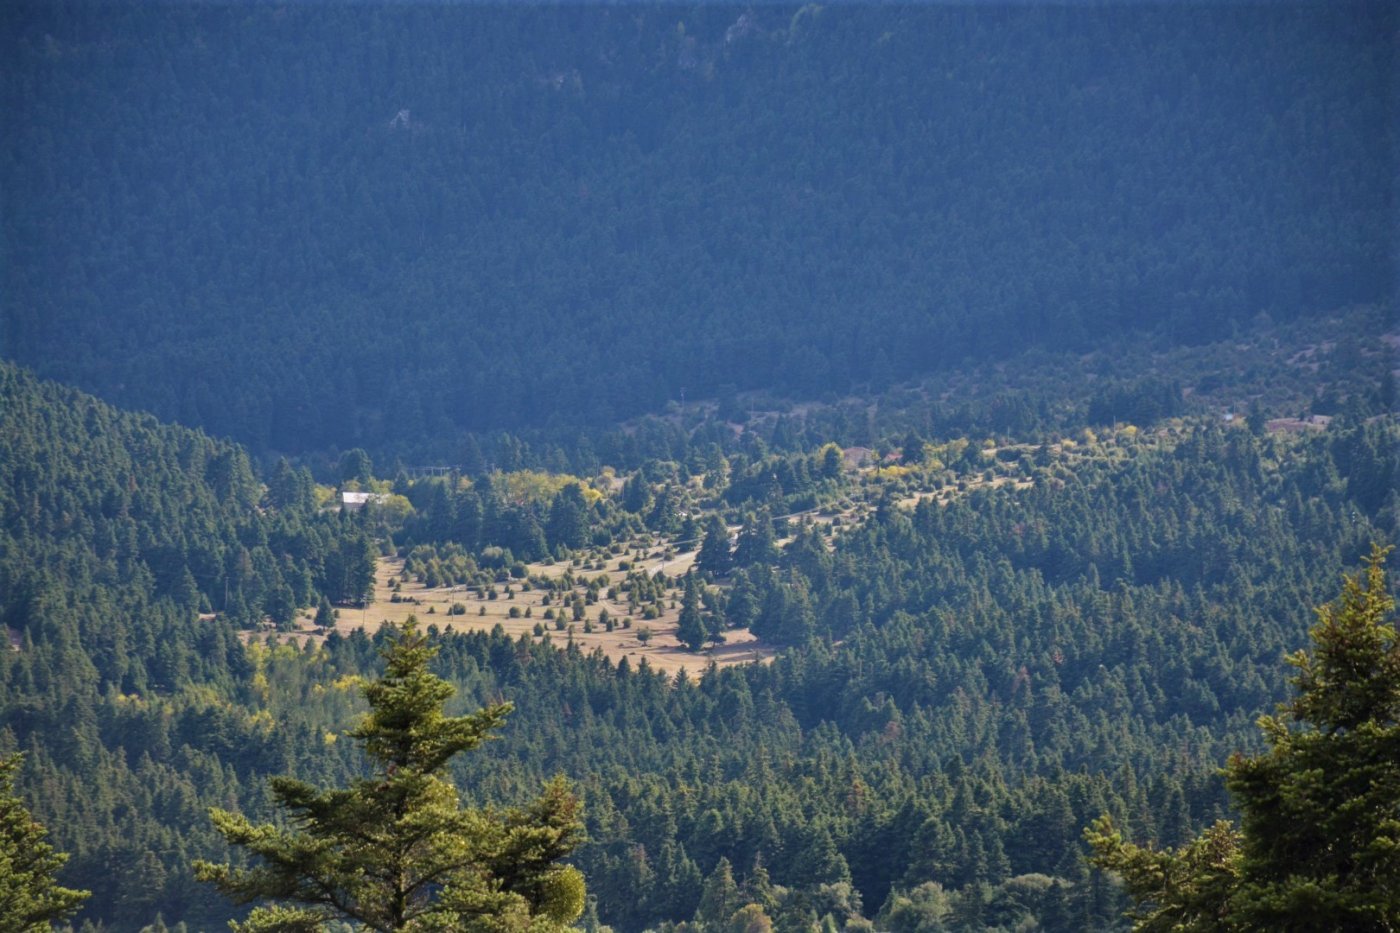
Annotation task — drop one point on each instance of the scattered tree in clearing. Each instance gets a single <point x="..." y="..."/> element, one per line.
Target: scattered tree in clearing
<point x="325" y="614"/>
<point x="397" y="851"/>
<point x="690" y="628"/>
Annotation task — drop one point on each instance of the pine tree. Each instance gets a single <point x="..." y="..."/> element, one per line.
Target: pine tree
<point x="714" y="557"/>
<point x="757" y="543"/>
<point x="1318" y="847"/>
<point x="30" y="898"/>
<point x="589" y="922"/>
<point x="325" y="615"/>
<point x="636" y="494"/>
<point x="1176" y="890"/>
<point x="356" y="467"/>
<point x="691" y="626"/>
<point x="396" y="851"/>
<point x="831" y="462"/>
<point x="720" y="897"/>
<point x="568" y="518"/>
<point x="1321" y="809"/>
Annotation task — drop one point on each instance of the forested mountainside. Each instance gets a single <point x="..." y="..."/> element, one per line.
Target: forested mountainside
<point x="130" y="554"/>
<point x="1016" y="639"/>
<point x="320" y="225"/>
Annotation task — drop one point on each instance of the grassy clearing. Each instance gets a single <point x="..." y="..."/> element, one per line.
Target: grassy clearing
<point x="432" y="607"/>
<point x="519" y="608"/>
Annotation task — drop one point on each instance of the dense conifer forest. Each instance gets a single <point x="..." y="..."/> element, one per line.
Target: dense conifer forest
<point x="966" y="683"/>
<point x="378" y="225"/>
<point x="1004" y="386"/>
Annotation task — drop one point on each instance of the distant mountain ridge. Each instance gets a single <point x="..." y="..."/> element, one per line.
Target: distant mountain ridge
<point x="307" y="227"/>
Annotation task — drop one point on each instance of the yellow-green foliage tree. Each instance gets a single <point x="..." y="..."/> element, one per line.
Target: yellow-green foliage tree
<point x="1318" y="846"/>
<point x="397" y="851"/>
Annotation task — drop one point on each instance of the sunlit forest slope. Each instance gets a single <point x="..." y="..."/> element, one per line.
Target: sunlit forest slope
<point x="1006" y="643"/>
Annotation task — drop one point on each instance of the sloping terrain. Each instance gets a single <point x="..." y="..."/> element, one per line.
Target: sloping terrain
<point x="377" y="226"/>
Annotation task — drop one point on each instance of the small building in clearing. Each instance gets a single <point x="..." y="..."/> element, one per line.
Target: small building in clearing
<point x="354" y="501"/>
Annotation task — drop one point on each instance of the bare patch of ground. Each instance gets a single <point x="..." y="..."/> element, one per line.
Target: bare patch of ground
<point x="1297" y="425"/>
<point x="662" y="651"/>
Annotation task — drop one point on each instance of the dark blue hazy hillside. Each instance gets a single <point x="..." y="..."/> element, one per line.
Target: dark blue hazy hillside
<point x="347" y="225"/>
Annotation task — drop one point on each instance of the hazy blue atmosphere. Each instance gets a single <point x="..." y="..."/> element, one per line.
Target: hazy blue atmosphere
<point x="362" y="225"/>
<point x="869" y="445"/>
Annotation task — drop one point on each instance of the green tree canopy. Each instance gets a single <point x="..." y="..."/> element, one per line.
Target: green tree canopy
<point x="397" y="851"/>
<point x="30" y="897"/>
<point x="1318" y="847"/>
<point x="715" y="557"/>
<point x="691" y="627"/>
<point x="1321" y="810"/>
<point x="757" y="544"/>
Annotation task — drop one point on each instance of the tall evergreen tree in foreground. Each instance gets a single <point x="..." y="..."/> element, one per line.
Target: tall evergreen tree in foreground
<point x="1318" y="847"/>
<point x="397" y="851"/>
<point x="30" y="898"/>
